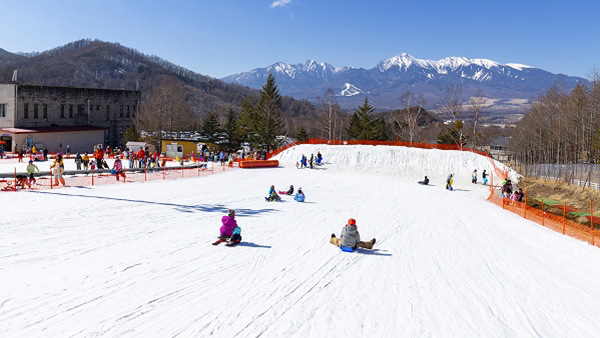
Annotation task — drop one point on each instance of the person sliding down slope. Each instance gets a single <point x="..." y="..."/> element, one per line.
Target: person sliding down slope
<point x="424" y="182"/>
<point x="226" y="230"/>
<point x="351" y="238"/>
<point x="299" y="196"/>
<point x="273" y="195"/>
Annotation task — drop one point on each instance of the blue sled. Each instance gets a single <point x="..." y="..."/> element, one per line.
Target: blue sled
<point x="347" y="248"/>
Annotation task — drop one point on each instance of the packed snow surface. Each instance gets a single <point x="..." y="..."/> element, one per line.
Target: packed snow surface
<point x="136" y="259"/>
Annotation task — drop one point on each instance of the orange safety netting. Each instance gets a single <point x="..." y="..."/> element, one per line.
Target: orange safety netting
<point x="552" y="221"/>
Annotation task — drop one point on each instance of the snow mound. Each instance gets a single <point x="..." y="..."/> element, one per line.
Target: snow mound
<point x="394" y="160"/>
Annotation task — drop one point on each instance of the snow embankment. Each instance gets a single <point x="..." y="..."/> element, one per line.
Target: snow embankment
<point x="409" y="162"/>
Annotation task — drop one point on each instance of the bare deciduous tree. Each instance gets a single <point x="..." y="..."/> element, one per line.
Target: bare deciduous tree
<point x="330" y="114"/>
<point x="165" y="110"/>
<point x="477" y="102"/>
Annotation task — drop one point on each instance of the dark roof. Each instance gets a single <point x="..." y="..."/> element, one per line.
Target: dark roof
<point x="50" y="129"/>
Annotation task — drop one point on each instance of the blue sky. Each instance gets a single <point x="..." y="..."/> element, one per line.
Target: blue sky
<point x="223" y="37"/>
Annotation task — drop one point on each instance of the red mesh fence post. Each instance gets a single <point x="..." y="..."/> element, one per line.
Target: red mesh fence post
<point x="144" y="173"/>
<point x="181" y="168"/>
<point x="592" y="219"/>
<point x="163" y="170"/>
<point x="92" y="176"/>
<point x="51" y="185"/>
<point x="15" y="178"/>
<point x="525" y="209"/>
<point x="564" y="216"/>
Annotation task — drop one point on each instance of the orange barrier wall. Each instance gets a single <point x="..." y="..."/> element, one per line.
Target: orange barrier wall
<point x="259" y="163"/>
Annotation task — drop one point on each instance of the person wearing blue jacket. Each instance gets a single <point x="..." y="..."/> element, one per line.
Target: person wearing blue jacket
<point x="299" y="196"/>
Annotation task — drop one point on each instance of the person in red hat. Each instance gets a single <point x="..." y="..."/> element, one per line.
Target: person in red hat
<point x="351" y="238"/>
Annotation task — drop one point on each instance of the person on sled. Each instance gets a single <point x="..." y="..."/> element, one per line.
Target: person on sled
<point x="299" y="196"/>
<point x="351" y="238"/>
<point x="289" y="192"/>
<point x="424" y="182"/>
<point x="273" y="196"/>
<point x="228" y="224"/>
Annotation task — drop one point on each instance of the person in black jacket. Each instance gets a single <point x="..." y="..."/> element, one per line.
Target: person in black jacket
<point x="424" y="182"/>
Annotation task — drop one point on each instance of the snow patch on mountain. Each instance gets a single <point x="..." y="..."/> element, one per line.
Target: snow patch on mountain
<point x="350" y="90"/>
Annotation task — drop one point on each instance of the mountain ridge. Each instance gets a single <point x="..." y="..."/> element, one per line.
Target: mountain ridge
<point x="385" y="82"/>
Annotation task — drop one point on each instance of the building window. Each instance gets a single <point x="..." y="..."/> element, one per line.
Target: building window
<point x="3" y="109"/>
<point x="35" y="110"/>
<point x="91" y="107"/>
<point x="107" y="112"/>
<point x="62" y="111"/>
<point x="98" y="107"/>
<point x="127" y="111"/>
<point x="26" y="110"/>
<point x="45" y="111"/>
<point x="121" y="112"/>
<point x="80" y="109"/>
<point x="134" y="110"/>
<point x="70" y="111"/>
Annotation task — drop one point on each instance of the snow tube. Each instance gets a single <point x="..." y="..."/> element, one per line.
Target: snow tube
<point x="259" y="163"/>
<point x="347" y="248"/>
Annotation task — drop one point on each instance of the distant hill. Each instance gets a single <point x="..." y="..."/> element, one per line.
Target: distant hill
<point x="509" y="87"/>
<point x="99" y="64"/>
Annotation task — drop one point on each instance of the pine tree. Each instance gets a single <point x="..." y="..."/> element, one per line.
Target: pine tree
<point x="210" y="127"/>
<point x="230" y="131"/>
<point x="268" y="123"/>
<point x="363" y="125"/>
<point x="246" y="122"/>
<point x="452" y="135"/>
<point x="302" y="135"/>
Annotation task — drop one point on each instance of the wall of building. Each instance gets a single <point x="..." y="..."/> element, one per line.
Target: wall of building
<point x="7" y="96"/>
<point x="43" y="106"/>
<point x="80" y="141"/>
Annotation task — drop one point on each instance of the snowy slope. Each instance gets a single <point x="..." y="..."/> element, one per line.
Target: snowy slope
<point x="136" y="260"/>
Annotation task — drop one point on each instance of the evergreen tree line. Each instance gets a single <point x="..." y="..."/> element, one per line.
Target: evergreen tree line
<point x="561" y="127"/>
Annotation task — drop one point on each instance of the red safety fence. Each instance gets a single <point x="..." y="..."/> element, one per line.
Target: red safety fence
<point x="90" y="178"/>
<point x="552" y="221"/>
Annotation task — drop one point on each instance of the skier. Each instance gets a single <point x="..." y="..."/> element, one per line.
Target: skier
<point x="312" y="157"/>
<point x="299" y="196"/>
<point x="351" y="238"/>
<point x="449" y="182"/>
<point x="484" y="177"/>
<point x="474" y="177"/>
<point x="226" y="230"/>
<point x="424" y="182"/>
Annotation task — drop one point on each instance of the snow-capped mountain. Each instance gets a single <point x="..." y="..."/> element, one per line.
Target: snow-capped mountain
<point x="385" y="82"/>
